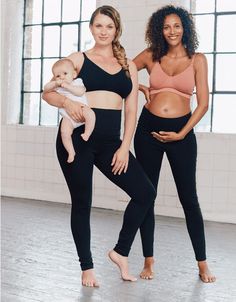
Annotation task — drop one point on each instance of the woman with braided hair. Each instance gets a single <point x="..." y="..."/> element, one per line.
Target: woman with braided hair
<point x="109" y="78"/>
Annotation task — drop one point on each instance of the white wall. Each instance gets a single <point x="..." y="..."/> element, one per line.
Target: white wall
<point x="29" y="164"/>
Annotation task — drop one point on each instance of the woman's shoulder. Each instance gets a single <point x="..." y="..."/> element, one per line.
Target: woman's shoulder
<point x="77" y="58"/>
<point x="131" y="63"/>
<point x="200" y="61"/>
<point x="199" y="57"/>
<point x="132" y="66"/>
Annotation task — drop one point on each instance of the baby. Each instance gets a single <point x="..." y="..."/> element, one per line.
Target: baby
<point x="65" y="83"/>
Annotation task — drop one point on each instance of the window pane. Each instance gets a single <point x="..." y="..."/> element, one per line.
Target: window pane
<point x="88" y="7"/>
<point x="51" y="41"/>
<point x="49" y="114"/>
<point x="32" y="42"/>
<point x="71" y="10"/>
<point x="47" y="70"/>
<point x="33" y="12"/>
<point x="203" y="6"/>
<point x="210" y="70"/>
<point x="225" y="41"/>
<point x="52" y="11"/>
<point x="206" y="37"/>
<point x="204" y="125"/>
<point x="224" y="113"/>
<point x="226" y="5"/>
<point x="86" y="41"/>
<point x="32" y="71"/>
<point x="225" y="76"/>
<point x="31" y="108"/>
<point x="69" y="42"/>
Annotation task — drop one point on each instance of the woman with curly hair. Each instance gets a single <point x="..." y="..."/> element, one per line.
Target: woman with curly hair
<point x="166" y="122"/>
<point x="109" y="78"/>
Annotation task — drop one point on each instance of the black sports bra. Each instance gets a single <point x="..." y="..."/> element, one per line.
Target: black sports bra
<point x="95" y="78"/>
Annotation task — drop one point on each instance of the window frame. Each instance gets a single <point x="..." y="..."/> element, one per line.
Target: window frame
<point x="214" y="54"/>
<point x="43" y="24"/>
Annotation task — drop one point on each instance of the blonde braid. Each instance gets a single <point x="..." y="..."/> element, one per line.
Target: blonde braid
<point x="120" y="55"/>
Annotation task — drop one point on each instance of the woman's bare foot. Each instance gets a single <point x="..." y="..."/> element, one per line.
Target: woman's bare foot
<point x="88" y="278"/>
<point x="204" y="272"/>
<point x="122" y="263"/>
<point x="148" y="272"/>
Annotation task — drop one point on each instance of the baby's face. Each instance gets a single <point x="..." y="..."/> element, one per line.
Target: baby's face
<point x="64" y="72"/>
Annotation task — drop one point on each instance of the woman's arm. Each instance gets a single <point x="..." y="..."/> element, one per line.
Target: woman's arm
<point x="55" y="99"/>
<point x="202" y="93"/>
<point x="141" y="59"/>
<point x="141" y="62"/>
<point x="77" y="90"/>
<point x="121" y="157"/>
<point x="131" y="101"/>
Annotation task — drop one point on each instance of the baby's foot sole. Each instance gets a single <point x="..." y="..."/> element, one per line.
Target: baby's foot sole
<point x="84" y="137"/>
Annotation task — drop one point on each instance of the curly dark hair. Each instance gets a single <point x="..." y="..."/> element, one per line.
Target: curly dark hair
<point x="154" y="33"/>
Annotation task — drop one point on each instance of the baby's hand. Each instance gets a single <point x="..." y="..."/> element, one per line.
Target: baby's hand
<point x="65" y="84"/>
<point x="59" y="82"/>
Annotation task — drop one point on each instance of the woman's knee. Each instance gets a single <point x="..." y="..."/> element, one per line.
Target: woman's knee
<point x="152" y="193"/>
<point x="190" y="203"/>
<point x="146" y="193"/>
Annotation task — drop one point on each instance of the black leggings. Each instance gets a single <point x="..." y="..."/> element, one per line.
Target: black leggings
<point x="98" y="151"/>
<point x="182" y="156"/>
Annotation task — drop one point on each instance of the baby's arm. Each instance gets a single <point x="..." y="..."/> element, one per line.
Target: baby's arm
<point x="77" y="90"/>
<point x="52" y="85"/>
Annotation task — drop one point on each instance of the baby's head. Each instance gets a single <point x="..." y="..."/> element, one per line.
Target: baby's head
<point x="64" y="70"/>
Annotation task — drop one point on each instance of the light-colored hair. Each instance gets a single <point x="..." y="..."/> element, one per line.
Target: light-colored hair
<point x="63" y="61"/>
<point x="118" y="49"/>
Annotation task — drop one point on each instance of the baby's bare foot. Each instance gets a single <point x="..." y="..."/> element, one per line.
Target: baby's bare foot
<point x="85" y="137"/>
<point x="148" y="272"/>
<point x="71" y="157"/>
<point x="122" y="263"/>
<point x="89" y="279"/>
<point x="204" y="272"/>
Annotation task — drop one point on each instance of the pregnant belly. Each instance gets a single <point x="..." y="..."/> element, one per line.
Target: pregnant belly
<point x="168" y="104"/>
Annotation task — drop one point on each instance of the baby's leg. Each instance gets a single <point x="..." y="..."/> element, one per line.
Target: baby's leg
<point x="90" y="118"/>
<point x="66" y="132"/>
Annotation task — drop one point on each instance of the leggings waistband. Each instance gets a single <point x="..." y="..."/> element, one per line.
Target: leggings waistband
<point x="108" y="121"/>
<point x="152" y="122"/>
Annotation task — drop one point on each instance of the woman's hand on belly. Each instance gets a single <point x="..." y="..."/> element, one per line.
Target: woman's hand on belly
<point x="120" y="161"/>
<point x="165" y="137"/>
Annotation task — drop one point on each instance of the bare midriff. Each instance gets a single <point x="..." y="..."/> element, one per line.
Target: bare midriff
<point x="101" y="99"/>
<point x="168" y="104"/>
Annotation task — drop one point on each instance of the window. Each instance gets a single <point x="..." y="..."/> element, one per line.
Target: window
<point x="52" y="29"/>
<point x="215" y="22"/>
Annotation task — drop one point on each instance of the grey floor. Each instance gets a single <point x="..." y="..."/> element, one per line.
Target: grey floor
<point x="39" y="260"/>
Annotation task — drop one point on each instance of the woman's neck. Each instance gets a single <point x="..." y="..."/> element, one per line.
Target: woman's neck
<point x="176" y="52"/>
<point x="104" y="51"/>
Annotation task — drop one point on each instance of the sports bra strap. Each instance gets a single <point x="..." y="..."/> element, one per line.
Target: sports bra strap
<point x="193" y="58"/>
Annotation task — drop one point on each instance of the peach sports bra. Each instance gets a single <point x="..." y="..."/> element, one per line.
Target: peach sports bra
<point x="182" y="83"/>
